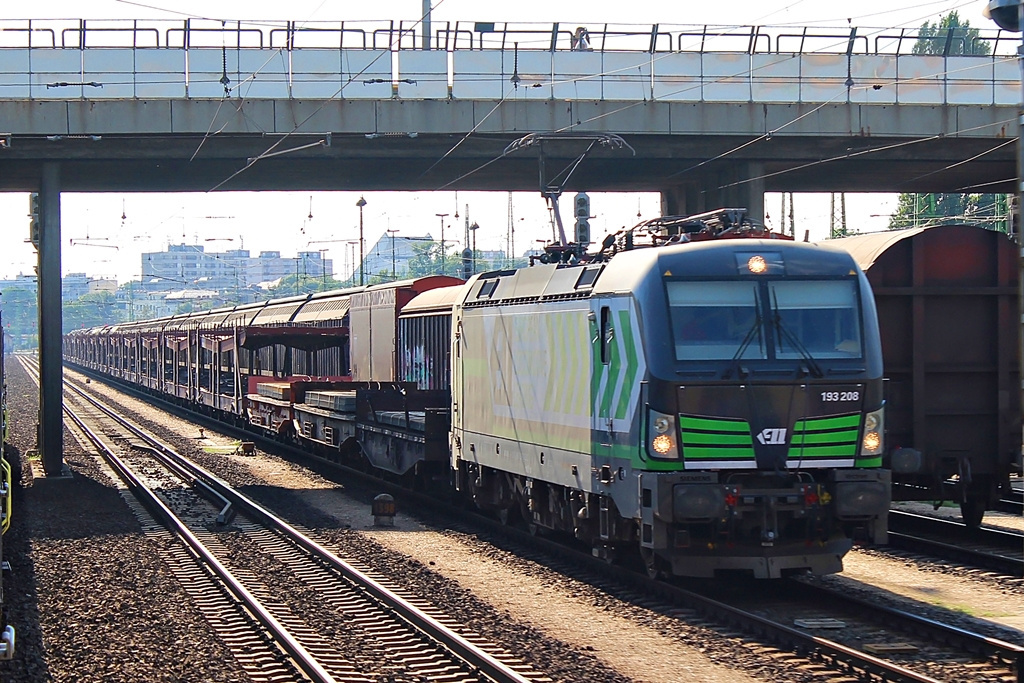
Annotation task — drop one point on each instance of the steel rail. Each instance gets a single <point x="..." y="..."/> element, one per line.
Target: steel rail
<point x="987" y="535"/>
<point x="840" y="656"/>
<point x="462" y="647"/>
<point x="1007" y="653"/>
<point x="303" y="659"/>
<point x="906" y="531"/>
<point x="1012" y="502"/>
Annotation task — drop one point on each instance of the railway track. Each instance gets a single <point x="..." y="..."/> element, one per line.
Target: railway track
<point x="995" y="549"/>
<point x="1013" y="501"/>
<point x="837" y="626"/>
<point x="401" y="634"/>
<point x="939" y="641"/>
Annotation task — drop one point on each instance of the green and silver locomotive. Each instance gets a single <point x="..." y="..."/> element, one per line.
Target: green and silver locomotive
<point x="716" y="404"/>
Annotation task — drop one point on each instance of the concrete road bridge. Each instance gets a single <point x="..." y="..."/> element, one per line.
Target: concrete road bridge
<point x="709" y="111"/>
<point x="707" y="115"/>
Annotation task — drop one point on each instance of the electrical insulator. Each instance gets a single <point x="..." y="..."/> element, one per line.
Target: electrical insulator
<point x="34" y="220"/>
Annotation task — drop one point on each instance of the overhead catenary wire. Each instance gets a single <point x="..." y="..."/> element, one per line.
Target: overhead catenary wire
<point x="748" y="72"/>
<point x="271" y="151"/>
<point x="253" y="160"/>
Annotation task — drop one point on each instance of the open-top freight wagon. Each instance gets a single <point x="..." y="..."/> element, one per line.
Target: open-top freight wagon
<point x="948" y="310"/>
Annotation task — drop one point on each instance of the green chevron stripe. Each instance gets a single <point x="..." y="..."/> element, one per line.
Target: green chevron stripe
<point x="876" y="461"/>
<point x="843" y="437"/>
<point x="580" y="399"/>
<point x="564" y="385"/>
<point x="554" y="343"/>
<point x="631" y="365"/>
<point x="822" y="423"/>
<point x="734" y="439"/>
<point x="598" y="369"/>
<point x="711" y="424"/>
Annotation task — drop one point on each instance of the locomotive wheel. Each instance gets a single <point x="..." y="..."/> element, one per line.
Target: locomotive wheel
<point x="973" y="511"/>
<point x="653" y="565"/>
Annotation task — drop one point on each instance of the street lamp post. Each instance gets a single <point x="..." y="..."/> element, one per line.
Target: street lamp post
<point x="442" y="216"/>
<point x="361" y="203"/>
<point x="323" y="270"/>
<point x="391" y="232"/>
<point x="473" y="228"/>
<point x="350" y="257"/>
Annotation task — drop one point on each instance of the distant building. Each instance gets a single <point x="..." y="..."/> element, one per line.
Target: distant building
<point x="25" y="283"/>
<point x="72" y="286"/>
<point x="97" y="286"/>
<point x="191" y="266"/>
<point x="391" y="254"/>
<point x="76" y="285"/>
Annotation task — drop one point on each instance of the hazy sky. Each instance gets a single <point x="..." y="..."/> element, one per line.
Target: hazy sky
<point x="98" y="241"/>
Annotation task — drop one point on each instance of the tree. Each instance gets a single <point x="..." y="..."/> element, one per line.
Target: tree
<point x="92" y="310"/>
<point x="988" y="210"/>
<point x="427" y="260"/>
<point x="20" y="317"/>
<point x="950" y="36"/>
<point x="293" y="285"/>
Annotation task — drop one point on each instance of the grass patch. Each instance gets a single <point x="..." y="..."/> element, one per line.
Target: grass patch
<point x="222" y="450"/>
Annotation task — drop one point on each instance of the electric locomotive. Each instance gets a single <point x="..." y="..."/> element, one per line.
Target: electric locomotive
<point x="716" y="404"/>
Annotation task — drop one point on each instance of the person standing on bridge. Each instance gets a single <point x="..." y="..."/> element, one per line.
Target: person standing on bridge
<point x="581" y="40"/>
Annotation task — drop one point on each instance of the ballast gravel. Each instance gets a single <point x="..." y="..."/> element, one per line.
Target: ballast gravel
<point x="88" y="596"/>
<point x="568" y="629"/>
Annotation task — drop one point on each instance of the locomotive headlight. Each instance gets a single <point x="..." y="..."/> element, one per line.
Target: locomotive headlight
<point x="661" y="436"/>
<point x="757" y="264"/>
<point x="872" y="441"/>
<point x="662" y="424"/>
<point x="662" y="444"/>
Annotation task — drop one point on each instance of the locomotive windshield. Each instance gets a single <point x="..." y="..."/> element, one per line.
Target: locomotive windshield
<point x="820" y="316"/>
<point x="711" y="320"/>
<point x="773" y="319"/>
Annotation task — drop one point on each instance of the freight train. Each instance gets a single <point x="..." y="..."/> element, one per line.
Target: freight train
<point x="700" y="394"/>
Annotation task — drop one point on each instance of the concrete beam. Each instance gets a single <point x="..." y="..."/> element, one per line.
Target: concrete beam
<point x="733" y="185"/>
<point x="195" y="145"/>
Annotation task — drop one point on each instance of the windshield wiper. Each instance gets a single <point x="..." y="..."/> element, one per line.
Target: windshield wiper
<point x="751" y="333"/>
<point x="788" y="335"/>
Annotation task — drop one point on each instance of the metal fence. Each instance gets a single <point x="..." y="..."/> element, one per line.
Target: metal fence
<point x="93" y="59"/>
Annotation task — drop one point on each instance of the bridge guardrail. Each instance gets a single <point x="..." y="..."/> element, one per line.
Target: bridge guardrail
<point x="60" y="60"/>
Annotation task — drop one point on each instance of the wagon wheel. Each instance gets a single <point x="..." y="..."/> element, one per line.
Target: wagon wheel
<point x="507" y="516"/>
<point x="973" y="511"/>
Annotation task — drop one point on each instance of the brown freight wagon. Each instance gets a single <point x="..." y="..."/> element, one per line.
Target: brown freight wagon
<point x="948" y="311"/>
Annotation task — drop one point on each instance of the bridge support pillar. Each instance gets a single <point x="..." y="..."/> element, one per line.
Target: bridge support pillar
<point x="51" y="390"/>
<point x="737" y="185"/>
